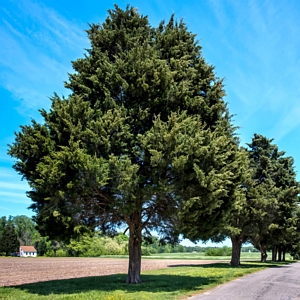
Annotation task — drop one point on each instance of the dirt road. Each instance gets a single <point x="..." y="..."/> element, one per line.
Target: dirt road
<point x="16" y="270"/>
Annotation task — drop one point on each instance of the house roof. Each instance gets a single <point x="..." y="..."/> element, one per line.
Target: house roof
<point x="28" y="248"/>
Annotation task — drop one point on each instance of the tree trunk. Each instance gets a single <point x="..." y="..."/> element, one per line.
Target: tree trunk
<point x="274" y="253"/>
<point x="135" y="249"/>
<point x="236" y="250"/>
<point x="283" y="254"/>
<point x="264" y="255"/>
<point x="279" y="253"/>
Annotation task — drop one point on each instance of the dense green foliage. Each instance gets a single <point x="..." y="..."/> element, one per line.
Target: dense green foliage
<point x="25" y="230"/>
<point x="224" y="251"/>
<point x="145" y="141"/>
<point x="99" y="244"/>
<point x="145" y="134"/>
<point x="2" y="225"/>
<point x="25" y="233"/>
<point x="266" y="211"/>
<point x="8" y="238"/>
<point x="276" y="201"/>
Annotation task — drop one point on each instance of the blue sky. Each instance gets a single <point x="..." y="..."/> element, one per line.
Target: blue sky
<point x="254" y="46"/>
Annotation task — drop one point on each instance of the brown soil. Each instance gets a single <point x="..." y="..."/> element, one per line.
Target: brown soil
<point x="16" y="270"/>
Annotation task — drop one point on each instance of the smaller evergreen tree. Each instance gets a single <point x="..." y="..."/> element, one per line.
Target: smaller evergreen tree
<point x="9" y="241"/>
<point x="265" y="204"/>
<point x="274" y="219"/>
<point x="2" y="225"/>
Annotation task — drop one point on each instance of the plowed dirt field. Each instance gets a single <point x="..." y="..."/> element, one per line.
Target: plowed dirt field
<point x="16" y="270"/>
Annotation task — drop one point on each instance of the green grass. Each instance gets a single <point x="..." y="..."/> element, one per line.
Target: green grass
<point x="177" y="282"/>
<point x="245" y="256"/>
<point x="198" y="256"/>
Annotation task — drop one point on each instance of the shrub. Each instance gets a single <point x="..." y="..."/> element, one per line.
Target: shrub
<point x="145" y="251"/>
<point x="224" y="251"/>
<point x="61" y="253"/>
<point x="113" y="248"/>
<point x="152" y="250"/>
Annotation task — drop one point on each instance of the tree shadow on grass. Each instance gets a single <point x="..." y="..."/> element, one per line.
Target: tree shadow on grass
<point x="150" y="283"/>
<point x="158" y="283"/>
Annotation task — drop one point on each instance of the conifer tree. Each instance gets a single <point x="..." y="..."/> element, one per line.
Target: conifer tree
<point x="9" y="242"/>
<point x="264" y="210"/>
<point x="273" y="208"/>
<point x="144" y="135"/>
<point x="2" y="225"/>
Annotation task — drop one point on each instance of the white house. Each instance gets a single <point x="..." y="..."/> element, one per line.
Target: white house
<point x="27" y="251"/>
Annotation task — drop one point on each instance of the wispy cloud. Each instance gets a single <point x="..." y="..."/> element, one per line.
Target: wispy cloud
<point x="13" y="191"/>
<point x="35" y="56"/>
<point x="289" y="122"/>
<point x="7" y="172"/>
<point x="219" y="9"/>
<point x="13" y="195"/>
<point x="7" y="198"/>
<point x="4" y="208"/>
<point x="260" y="40"/>
<point x="23" y="186"/>
<point x="4" y="157"/>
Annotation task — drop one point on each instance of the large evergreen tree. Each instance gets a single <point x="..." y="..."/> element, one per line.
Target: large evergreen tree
<point x="144" y="134"/>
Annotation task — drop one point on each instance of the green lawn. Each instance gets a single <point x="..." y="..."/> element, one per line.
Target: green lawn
<point x="245" y="256"/>
<point x="171" y="283"/>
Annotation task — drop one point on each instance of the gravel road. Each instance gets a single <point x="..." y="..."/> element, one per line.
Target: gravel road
<point x="278" y="283"/>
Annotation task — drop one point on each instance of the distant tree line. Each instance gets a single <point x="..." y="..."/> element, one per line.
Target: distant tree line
<point x="20" y="230"/>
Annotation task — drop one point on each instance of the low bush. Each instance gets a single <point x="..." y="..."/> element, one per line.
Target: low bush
<point x="224" y="251"/>
<point x="145" y="251"/>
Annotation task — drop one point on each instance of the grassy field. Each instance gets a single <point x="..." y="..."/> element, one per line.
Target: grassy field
<point x="201" y="256"/>
<point x="171" y="283"/>
<point x="245" y="256"/>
